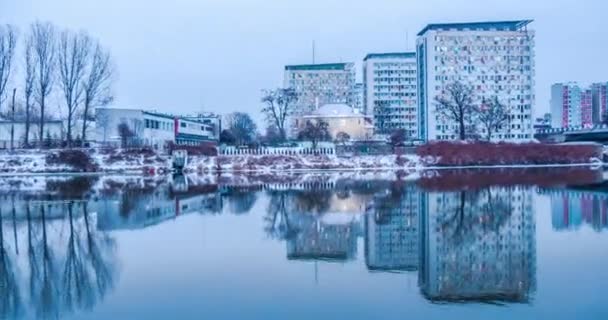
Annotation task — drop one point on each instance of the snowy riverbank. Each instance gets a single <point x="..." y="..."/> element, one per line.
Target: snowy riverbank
<point x="147" y="162"/>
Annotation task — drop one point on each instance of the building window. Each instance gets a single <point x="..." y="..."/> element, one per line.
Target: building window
<point x="183" y="124"/>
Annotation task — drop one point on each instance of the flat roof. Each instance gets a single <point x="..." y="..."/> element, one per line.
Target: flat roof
<point x="487" y="25"/>
<point x="390" y="55"/>
<point x="158" y="114"/>
<point x="323" y="66"/>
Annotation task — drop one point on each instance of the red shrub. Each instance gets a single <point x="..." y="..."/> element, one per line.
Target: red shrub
<point x="484" y="153"/>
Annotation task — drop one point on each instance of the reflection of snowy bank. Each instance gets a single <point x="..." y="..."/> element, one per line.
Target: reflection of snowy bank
<point x="282" y="163"/>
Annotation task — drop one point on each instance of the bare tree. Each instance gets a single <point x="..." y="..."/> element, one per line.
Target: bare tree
<point x="279" y="105"/>
<point x="342" y="137"/>
<point x="242" y="127"/>
<point x="315" y="131"/>
<point x="73" y="51"/>
<point x="8" y="43"/>
<point x="97" y="83"/>
<point x="43" y="39"/>
<point x="457" y="106"/>
<point x="492" y="115"/>
<point x="398" y="137"/>
<point x="28" y="87"/>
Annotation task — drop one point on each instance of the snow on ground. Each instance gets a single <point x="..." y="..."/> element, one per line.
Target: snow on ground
<point x="282" y="163"/>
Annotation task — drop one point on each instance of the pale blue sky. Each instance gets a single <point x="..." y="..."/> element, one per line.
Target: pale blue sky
<point x="183" y="55"/>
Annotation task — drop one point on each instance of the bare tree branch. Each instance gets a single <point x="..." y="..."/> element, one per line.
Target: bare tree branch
<point x="457" y="106"/>
<point x="28" y="86"/>
<point x="8" y="43"/>
<point x="43" y="38"/>
<point x="279" y="104"/>
<point x="492" y="115"/>
<point x="97" y="83"/>
<point x="73" y="52"/>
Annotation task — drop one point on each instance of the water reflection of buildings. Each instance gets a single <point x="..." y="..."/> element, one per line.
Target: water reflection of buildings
<point x="478" y="246"/>
<point x="141" y="209"/>
<point x="391" y="231"/>
<point x="570" y="209"/>
<point x="325" y="224"/>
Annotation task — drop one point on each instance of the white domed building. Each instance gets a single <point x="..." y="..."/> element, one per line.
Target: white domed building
<point x="340" y="118"/>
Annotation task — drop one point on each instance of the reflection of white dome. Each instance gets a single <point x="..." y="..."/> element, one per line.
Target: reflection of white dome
<point x="335" y="110"/>
<point x="339" y="218"/>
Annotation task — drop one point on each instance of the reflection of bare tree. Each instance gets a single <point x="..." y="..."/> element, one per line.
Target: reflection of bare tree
<point x="277" y="221"/>
<point x="44" y="280"/>
<point x="101" y="249"/>
<point x="77" y="288"/>
<point x="10" y="299"/>
<point x="88" y="271"/>
<point x="241" y="201"/>
<point x="472" y="213"/>
<point x="313" y="201"/>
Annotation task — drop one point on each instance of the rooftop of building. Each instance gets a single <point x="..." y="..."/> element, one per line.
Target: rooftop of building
<point x="485" y="26"/>
<point x="390" y="55"/>
<point x="323" y="66"/>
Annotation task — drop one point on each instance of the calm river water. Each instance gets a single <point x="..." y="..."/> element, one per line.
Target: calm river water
<point x="509" y="244"/>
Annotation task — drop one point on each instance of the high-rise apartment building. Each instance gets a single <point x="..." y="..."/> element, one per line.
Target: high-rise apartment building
<point x="358" y="104"/>
<point x="320" y="84"/>
<point x="389" y="81"/>
<point x="495" y="59"/>
<point x="571" y="106"/>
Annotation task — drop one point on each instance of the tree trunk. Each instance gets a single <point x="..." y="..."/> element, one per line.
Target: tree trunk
<point x="13" y="121"/>
<point x="69" y="136"/>
<point x="41" y="127"/>
<point x="27" y="122"/>
<point x="461" y="128"/>
<point x="84" y="122"/>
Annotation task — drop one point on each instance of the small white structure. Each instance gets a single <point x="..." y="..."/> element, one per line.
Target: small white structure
<point x="53" y="129"/>
<point x="340" y="118"/>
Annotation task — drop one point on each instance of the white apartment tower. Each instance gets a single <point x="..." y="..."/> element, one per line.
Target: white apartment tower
<point x="496" y="59"/>
<point x="389" y="81"/>
<point x="320" y="84"/>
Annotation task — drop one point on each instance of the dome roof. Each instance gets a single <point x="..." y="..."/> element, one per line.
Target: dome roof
<point x="335" y="110"/>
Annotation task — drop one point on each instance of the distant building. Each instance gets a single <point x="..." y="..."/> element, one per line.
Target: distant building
<point x="212" y="120"/>
<point x="150" y="128"/>
<point x="53" y="130"/>
<point x="359" y="104"/>
<point x="600" y="102"/>
<point x="340" y="118"/>
<point x="496" y="59"/>
<point x="320" y="84"/>
<point x="543" y="123"/>
<point x="390" y="91"/>
<point x="571" y="106"/>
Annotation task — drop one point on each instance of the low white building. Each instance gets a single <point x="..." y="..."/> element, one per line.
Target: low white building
<point x="53" y="129"/>
<point x="149" y="128"/>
